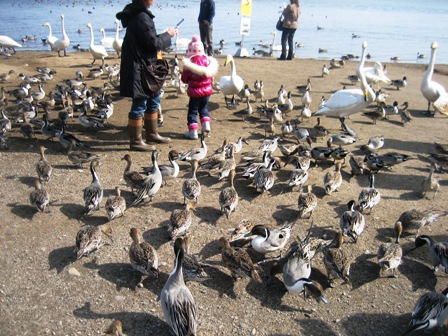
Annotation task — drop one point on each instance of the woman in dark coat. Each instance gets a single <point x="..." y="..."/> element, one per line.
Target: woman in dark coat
<point x="141" y="42"/>
<point x="290" y="24"/>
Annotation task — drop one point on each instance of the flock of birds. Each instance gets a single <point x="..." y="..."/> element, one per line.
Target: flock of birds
<point x="177" y="302"/>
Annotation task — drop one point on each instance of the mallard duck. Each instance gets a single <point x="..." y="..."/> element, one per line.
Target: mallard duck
<point x="93" y="194"/>
<point x="80" y="157"/>
<point x="142" y="255"/>
<point x="336" y="261"/>
<point x="369" y="197"/>
<point x="352" y="222"/>
<point x="430" y="183"/>
<point x="192" y="268"/>
<point x="228" y="197"/>
<point x="333" y="179"/>
<point x="39" y="198"/>
<point x="264" y="178"/>
<point x="133" y="179"/>
<point x="151" y="184"/>
<point x="178" y="306"/>
<point x="374" y="144"/>
<point x="238" y="261"/>
<point x="88" y="239"/>
<point x="430" y="312"/>
<point x="389" y="257"/>
<point x="195" y="153"/>
<point x="231" y="85"/>
<point x="115" y="205"/>
<point x="180" y="221"/>
<point x="438" y="251"/>
<point x="43" y="167"/>
<point x="307" y="202"/>
<point x="414" y="220"/>
<point x="191" y="188"/>
<point x="430" y="89"/>
<point x="265" y="240"/>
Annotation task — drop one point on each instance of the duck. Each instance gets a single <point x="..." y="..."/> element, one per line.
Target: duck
<point x="306" y="98"/>
<point x="151" y="184"/>
<point x="430" y="312"/>
<point x="325" y="71"/>
<point x="228" y="197"/>
<point x="89" y="239"/>
<point x="307" y="202"/>
<point x="438" y="251"/>
<point x="143" y="256"/>
<point x="26" y="128"/>
<point x="231" y="84"/>
<point x="252" y="168"/>
<point x="414" y="220"/>
<point x="6" y="75"/>
<point x="391" y="159"/>
<point x="341" y="139"/>
<point x="336" y="261"/>
<point x="430" y="183"/>
<point x="352" y="222"/>
<point x="93" y="194"/>
<point x="238" y="261"/>
<point x="319" y="130"/>
<point x="214" y="160"/>
<point x="369" y="197"/>
<point x="195" y="153"/>
<point x="106" y="42"/>
<point x="79" y="157"/>
<point x="344" y="103"/>
<point x="118" y="42"/>
<point x="89" y="122"/>
<point x="287" y="128"/>
<point x="192" y="268"/>
<point x="389" y="258"/>
<point x="169" y="172"/>
<point x="399" y="83"/>
<point x="238" y="145"/>
<point x="269" y="145"/>
<point x="47" y="129"/>
<point x="9" y="43"/>
<point x="265" y="240"/>
<point x="357" y="165"/>
<point x="395" y="58"/>
<point x="298" y="177"/>
<point x="178" y="305"/>
<point x="39" y="197"/>
<point x="378" y="114"/>
<point x="374" y="163"/>
<point x="191" y="188"/>
<point x="61" y="44"/>
<point x="431" y="90"/>
<point x="43" y="167"/>
<point x="180" y="221"/>
<point x="115" y="205"/>
<point x="115" y="329"/>
<point x="264" y="178"/>
<point x="51" y="39"/>
<point x="67" y="138"/>
<point x="133" y="179"/>
<point x="333" y="179"/>
<point x="374" y="144"/>
<point x="97" y="51"/>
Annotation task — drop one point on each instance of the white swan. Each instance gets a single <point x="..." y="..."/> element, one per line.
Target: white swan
<point x="97" y="51"/>
<point x="118" y="42"/>
<point x="181" y="43"/>
<point x="277" y="47"/>
<point x="231" y="85"/>
<point x="344" y="103"/>
<point x="51" y="39"/>
<point x="433" y="91"/>
<point x="375" y="74"/>
<point x="7" y="42"/>
<point x="61" y="45"/>
<point x="106" y="42"/>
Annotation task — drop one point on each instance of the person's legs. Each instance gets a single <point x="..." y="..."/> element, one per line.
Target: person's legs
<point x="151" y="123"/>
<point x="135" y="126"/>
<point x="204" y="114"/>
<point x="209" y="40"/>
<point x="291" y="44"/>
<point x="193" y="109"/>
<point x="283" y="41"/>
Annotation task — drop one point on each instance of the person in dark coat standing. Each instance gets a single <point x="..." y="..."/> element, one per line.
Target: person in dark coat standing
<point x="141" y="42"/>
<point x="205" y="19"/>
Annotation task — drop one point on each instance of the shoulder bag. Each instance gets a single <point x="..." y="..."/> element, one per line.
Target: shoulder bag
<point x="279" y="25"/>
<point x="153" y="75"/>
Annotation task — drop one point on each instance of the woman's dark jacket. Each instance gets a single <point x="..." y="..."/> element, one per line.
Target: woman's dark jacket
<point x="140" y="41"/>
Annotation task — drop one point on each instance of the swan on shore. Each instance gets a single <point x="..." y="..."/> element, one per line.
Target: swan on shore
<point x="232" y="84"/>
<point x="118" y="42"/>
<point x="106" y="42"/>
<point x="7" y="42"/>
<point x="61" y="45"/>
<point x="97" y="51"/>
<point x="51" y="39"/>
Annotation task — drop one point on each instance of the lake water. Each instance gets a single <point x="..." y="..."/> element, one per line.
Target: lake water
<point x="391" y="28"/>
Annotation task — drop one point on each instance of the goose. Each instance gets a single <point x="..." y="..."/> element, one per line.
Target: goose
<point x="93" y="194"/>
<point x="430" y="312"/>
<point x="61" y="44"/>
<point x="51" y="39"/>
<point x="178" y="306"/>
<point x="7" y="42"/>
<point x="389" y="257"/>
<point x="97" y="51"/>
<point x="89" y="237"/>
<point x="438" y="251"/>
<point x="39" y="197"/>
<point x="106" y="42"/>
<point x="118" y="42"/>
<point x="344" y="103"/>
<point x="233" y="84"/>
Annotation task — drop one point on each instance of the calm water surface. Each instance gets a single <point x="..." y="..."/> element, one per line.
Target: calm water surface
<point x="391" y="28"/>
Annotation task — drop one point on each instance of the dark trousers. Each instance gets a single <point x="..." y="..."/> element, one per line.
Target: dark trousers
<point x="195" y="106"/>
<point x="206" y="31"/>
<point x="288" y="36"/>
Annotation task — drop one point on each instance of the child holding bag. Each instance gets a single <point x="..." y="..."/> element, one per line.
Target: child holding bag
<point x="198" y="72"/>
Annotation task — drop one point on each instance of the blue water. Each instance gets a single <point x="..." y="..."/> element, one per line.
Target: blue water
<point x="391" y="28"/>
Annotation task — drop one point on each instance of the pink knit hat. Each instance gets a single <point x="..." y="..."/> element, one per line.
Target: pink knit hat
<point x="195" y="47"/>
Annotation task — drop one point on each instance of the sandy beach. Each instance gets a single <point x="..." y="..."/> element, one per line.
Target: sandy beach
<point x="46" y="291"/>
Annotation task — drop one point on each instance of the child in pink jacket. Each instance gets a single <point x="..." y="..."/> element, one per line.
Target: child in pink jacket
<point x="198" y="72"/>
